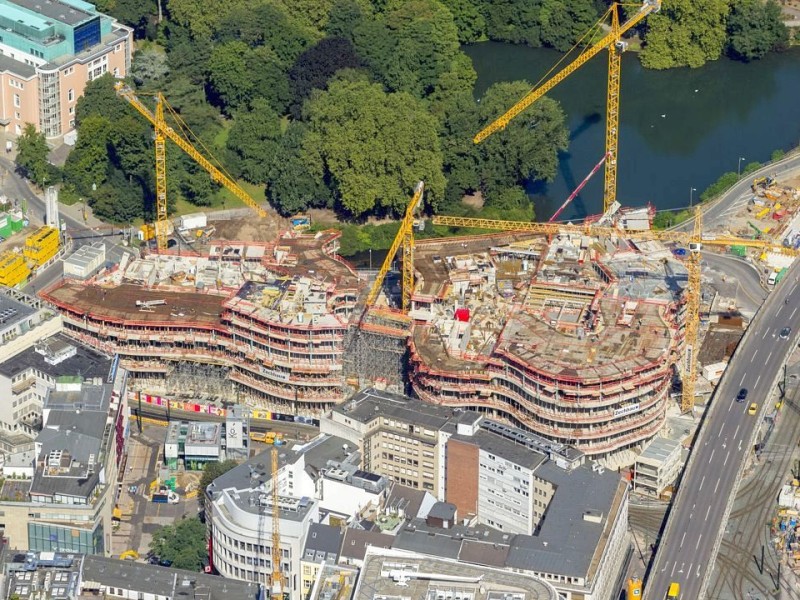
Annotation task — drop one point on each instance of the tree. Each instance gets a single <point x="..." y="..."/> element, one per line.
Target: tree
<point x="374" y="146"/>
<point x="229" y="77"/>
<point x="685" y="33"/>
<point x="528" y="147"/>
<point x="292" y="187"/>
<point x="345" y="16"/>
<point x="269" y="78"/>
<point x="515" y="21"/>
<point x="183" y="543"/>
<point x="32" y="154"/>
<point x="254" y="140"/>
<point x="563" y="22"/>
<point x="510" y="203"/>
<point x="211" y="471"/>
<point x="468" y="19"/>
<point x="409" y="46"/>
<point x="755" y="28"/>
<point x="87" y="164"/>
<point x="316" y="65"/>
<point x="136" y="13"/>
<point x="149" y="67"/>
<point x="100" y="99"/>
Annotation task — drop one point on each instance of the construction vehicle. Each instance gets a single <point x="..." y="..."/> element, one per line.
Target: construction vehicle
<point x="764" y="182"/>
<point x="164" y="131"/>
<point x="694" y="241"/>
<point x="611" y="41"/>
<point x="300" y="222"/>
<point x="129" y="555"/>
<point x="404" y="238"/>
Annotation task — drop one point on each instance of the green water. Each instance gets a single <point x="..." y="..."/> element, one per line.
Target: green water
<point x="679" y="129"/>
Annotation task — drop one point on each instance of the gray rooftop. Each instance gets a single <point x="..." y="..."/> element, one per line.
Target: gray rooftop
<point x="369" y="403"/>
<point x="18" y="68"/>
<point x="485" y="584"/>
<point x="323" y="543"/>
<point x="406" y="499"/>
<point x="356" y="542"/>
<point x="55" y="9"/>
<point x="85" y="363"/>
<point x="659" y="449"/>
<point x="163" y="582"/>
<point x="74" y="428"/>
<point x="443" y="510"/>
<point x="567" y="541"/>
<point x="519" y="454"/>
<point x="12" y="311"/>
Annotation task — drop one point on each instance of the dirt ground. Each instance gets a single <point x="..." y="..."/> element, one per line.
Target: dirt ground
<point x="251" y="229"/>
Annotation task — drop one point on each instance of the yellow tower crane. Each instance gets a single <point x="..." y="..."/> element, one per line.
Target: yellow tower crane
<point x="405" y="238"/>
<point x="162" y="132"/>
<point x="277" y="591"/>
<point x="695" y="240"/>
<point x="612" y="41"/>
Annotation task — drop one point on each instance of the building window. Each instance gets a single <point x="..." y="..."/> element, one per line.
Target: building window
<point x="69" y="71"/>
<point x="16" y="101"/>
<point x="70" y="95"/>
<point x="72" y="110"/>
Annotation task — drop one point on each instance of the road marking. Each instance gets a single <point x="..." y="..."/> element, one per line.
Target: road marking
<point x="770" y="356"/>
<point x="726" y="458"/>
<point x="794" y="311"/>
<point x="754" y="355"/>
<point x="698" y="571"/>
<point x="716" y="487"/>
<point x="707" y="511"/>
<point x="711" y="458"/>
<point x="766" y="331"/>
<point x="742" y="381"/>
<point x="730" y="406"/>
<point x="683" y="537"/>
<point x="757" y="380"/>
<point x="779" y="309"/>
<point x="737" y="431"/>
<point x="671" y="573"/>
<point x="701" y="485"/>
<point x="697" y="545"/>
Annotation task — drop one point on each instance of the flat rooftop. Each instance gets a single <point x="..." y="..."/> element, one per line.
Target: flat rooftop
<point x="18" y="68"/>
<point x="474" y="583"/>
<point x="64" y="12"/>
<point x="119" y="304"/>
<point x="85" y="362"/>
<point x="161" y="582"/>
<point x="366" y="404"/>
<point x="12" y="311"/>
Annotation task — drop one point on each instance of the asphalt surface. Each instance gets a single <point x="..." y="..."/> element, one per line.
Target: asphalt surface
<point x="687" y="548"/>
<point x="717" y="213"/>
<point x="749" y="293"/>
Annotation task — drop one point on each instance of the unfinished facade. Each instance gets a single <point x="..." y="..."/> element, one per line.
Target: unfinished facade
<point x="269" y="320"/>
<point x="573" y="338"/>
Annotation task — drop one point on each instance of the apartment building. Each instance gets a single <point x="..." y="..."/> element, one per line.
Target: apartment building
<point x="49" y="51"/>
<point x="319" y="477"/>
<point x="67" y="505"/>
<point x="323" y="545"/>
<point x="398" y="437"/>
<point x="27" y="377"/>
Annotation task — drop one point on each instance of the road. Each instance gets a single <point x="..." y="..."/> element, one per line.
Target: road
<point x="749" y="293"/>
<point x="717" y="213"/>
<point x="697" y="517"/>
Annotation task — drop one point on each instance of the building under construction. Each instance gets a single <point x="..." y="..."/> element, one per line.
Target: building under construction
<point x="263" y="322"/>
<point x="574" y="338"/>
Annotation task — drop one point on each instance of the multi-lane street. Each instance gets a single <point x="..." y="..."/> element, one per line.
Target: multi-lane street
<point x="688" y="545"/>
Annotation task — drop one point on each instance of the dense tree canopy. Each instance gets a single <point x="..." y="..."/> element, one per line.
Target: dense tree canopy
<point x="254" y="139"/>
<point x="755" y="28"/>
<point x="374" y="146"/>
<point x="685" y="33"/>
<point x="183" y="543"/>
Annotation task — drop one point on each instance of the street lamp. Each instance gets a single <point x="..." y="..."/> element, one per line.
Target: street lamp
<point x="691" y="195"/>
<point x="739" y="166"/>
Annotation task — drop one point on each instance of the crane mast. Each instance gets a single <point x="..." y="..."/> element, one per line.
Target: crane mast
<point x="404" y="238"/>
<point x="613" y="42"/>
<point x="162" y="133"/>
<point x="277" y="575"/>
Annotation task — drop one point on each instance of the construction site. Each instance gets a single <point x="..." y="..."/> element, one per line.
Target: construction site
<point x="581" y="333"/>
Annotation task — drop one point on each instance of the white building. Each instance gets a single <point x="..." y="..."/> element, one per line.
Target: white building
<point x="321" y="474"/>
<point x="657" y="467"/>
<point x="86" y="261"/>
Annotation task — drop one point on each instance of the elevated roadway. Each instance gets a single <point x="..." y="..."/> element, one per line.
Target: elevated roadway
<point x="696" y="521"/>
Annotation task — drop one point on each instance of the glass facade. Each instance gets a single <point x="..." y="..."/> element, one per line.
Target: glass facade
<point x="44" y="537"/>
<point x="87" y="35"/>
